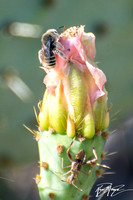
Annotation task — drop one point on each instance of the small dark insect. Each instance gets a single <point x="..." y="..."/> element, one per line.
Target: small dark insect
<point x="50" y="46"/>
<point x="78" y="163"/>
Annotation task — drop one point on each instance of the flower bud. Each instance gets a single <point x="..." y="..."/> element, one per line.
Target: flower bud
<point x="43" y="117"/>
<point x="88" y="125"/>
<point x="75" y="99"/>
<point x="57" y="111"/>
<point x="77" y="94"/>
<point x="70" y="127"/>
<point x="101" y="113"/>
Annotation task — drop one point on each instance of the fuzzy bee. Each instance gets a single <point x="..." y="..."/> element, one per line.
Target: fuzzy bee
<point x="50" y="46"/>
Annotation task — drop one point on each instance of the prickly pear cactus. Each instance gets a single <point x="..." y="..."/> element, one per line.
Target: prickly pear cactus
<point x="73" y="116"/>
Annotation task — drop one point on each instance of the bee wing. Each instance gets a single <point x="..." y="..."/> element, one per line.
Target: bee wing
<point x="48" y="50"/>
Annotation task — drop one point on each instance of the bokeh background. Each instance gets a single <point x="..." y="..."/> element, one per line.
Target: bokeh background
<point x="21" y="26"/>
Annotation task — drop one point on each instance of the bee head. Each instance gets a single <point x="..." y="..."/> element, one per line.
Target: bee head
<point x="49" y="33"/>
<point x="53" y="32"/>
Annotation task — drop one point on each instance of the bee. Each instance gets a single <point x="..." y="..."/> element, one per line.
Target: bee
<point x="77" y="163"/>
<point x="50" y="46"/>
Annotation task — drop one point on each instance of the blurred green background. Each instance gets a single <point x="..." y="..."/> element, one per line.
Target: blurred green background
<point x="112" y="23"/>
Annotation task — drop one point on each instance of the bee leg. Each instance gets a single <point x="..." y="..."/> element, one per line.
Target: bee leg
<point x="60" y="53"/>
<point x="58" y="45"/>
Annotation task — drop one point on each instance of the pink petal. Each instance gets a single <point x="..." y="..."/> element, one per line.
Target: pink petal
<point x="51" y="80"/>
<point x="88" y="41"/>
<point x="99" y="78"/>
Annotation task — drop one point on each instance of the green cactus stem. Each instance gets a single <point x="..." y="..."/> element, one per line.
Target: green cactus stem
<point x="51" y="180"/>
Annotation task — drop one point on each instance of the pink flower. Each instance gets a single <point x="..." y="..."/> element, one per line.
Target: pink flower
<point x="80" y="50"/>
<point x="80" y="80"/>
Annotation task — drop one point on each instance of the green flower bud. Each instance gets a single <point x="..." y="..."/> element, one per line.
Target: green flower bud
<point x="43" y="117"/>
<point x="57" y="111"/>
<point x="101" y="113"/>
<point x="70" y="127"/>
<point x="78" y="94"/>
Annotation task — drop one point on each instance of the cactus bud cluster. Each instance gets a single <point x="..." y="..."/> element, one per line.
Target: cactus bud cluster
<point x="75" y="95"/>
<point x="74" y="105"/>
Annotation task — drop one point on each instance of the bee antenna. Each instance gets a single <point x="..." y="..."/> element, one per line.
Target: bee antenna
<point x="60" y="27"/>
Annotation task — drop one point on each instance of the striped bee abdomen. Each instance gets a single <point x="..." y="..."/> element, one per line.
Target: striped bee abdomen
<point x="49" y="58"/>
